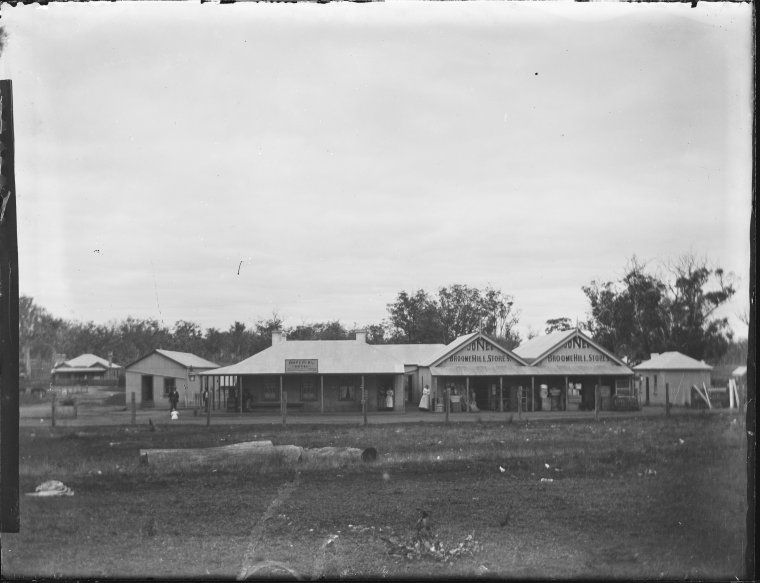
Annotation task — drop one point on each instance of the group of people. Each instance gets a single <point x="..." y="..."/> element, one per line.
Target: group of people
<point x="469" y="404"/>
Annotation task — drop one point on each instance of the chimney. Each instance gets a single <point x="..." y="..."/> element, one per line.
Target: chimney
<point x="652" y="355"/>
<point x="277" y="337"/>
<point x="361" y="336"/>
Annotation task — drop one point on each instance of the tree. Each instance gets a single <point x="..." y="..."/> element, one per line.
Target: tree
<point x="187" y="337"/>
<point x="696" y="293"/>
<point x="415" y="318"/>
<point x="457" y="310"/>
<point x="644" y="313"/>
<point x="558" y="325"/>
<point x="39" y="332"/>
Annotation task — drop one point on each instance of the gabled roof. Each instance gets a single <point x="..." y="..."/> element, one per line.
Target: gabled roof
<point x="532" y="349"/>
<point x="410" y="354"/>
<point x="672" y="361"/>
<point x="333" y="357"/>
<point x="186" y="359"/>
<point x="86" y="361"/>
<point x="462" y="341"/>
<point x="539" y="348"/>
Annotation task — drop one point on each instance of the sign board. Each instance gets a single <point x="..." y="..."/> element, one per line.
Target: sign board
<point x="575" y="350"/>
<point x="479" y="351"/>
<point x="306" y="365"/>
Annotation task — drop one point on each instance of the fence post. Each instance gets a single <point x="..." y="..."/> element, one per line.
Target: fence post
<point x="52" y="410"/>
<point x="667" y="400"/>
<point x="134" y="409"/>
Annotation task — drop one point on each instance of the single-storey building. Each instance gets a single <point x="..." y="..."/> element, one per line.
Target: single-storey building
<point x="152" y="376"/>
<point x="87" y="370"/>
<point x="674" y="371"/>
<point x="556" y="372"/>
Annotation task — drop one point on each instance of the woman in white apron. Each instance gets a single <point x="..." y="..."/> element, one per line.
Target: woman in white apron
<point x="425" y="400"/>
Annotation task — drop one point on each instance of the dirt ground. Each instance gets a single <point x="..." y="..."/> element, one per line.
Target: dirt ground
<point x="629" y="497"/>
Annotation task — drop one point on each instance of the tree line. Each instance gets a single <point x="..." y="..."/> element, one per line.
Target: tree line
<point x="640" y="313"/>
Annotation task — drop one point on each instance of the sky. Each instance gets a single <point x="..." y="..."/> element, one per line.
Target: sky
<point x="214" y="163"/>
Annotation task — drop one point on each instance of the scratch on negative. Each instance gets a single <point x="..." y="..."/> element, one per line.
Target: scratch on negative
<point x="6" y="198"/>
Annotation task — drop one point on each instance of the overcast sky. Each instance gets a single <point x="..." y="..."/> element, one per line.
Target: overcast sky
<point x="217" y="162"/>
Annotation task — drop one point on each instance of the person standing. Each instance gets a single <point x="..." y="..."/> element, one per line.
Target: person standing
<point x="174" y="399"/>
<point x="425" y="400"/>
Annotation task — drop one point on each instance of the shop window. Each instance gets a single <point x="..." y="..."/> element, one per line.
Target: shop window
<point x="308" y="389"/>
<point x="270" y="392"/>
<point x="623" y="387"/>
<point x="169" y="385"/>
<point x="346" y="390"/>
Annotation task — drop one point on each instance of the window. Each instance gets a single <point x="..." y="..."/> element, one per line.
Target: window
<point x="346" y="390"/>
<point x="308" y="388"/>
<point x="169" y="385"/>
<point x="270" y="392"/>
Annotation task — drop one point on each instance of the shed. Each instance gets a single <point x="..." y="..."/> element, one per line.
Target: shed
<point x="152" y="376"/>
<point x="85" y="369"/>
<point x="674" y="371"/>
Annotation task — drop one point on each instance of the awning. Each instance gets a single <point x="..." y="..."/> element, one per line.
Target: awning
<point x="575" y="369"/>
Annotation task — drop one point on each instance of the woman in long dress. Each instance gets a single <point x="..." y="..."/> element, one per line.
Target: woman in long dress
<point x="425" y="400"/>
<point x="389" y="399"/>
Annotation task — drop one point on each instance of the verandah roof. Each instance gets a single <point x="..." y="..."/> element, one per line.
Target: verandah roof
<point x="333" y="357"/>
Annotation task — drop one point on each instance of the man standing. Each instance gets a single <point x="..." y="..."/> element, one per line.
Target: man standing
<point x="174" y="398"/>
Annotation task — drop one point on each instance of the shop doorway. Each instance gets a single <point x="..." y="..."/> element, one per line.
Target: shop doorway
<point x="482" y="387"/>
<point x="146" y="389"/>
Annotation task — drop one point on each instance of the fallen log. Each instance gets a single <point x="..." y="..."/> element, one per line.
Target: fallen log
<point x="289" y="455"/>
<point x="246" y="450"/>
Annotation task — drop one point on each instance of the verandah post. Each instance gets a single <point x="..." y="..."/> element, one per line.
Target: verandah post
<point x="208" y="401"/>
<point x="134" y="409"/>
<point x="448" y="401"/>
<point x="321" y="393"/>
<point x="597" y="390"/>
<point x="364" y="401"/>
<point x="667" y="399"/>
<point x="52" y="410"/>
<point x="501" y="394"/>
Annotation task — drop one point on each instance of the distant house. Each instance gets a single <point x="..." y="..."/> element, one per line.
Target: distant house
<point x="152" y="376"/>
<point x="85" y="369"/>
<point x="674" y="371"/>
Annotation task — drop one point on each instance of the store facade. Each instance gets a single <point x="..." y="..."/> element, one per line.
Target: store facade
<point x="558" y="372"/>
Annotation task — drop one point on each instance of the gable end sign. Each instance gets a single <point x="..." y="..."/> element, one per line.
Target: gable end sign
<point x="479" y="351"/>
<point x="576" y="350"/>
<point x="301" y="365"/>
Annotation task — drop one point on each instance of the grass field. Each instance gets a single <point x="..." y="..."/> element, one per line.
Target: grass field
<point x="626" y="498"/>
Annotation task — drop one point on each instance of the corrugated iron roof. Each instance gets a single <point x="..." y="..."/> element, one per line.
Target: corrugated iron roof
<point x="333" y="357"/>
<point x="78" y="369"/>
<point x="87" y="360"/>
<point x="672" y="361"/>
<point x="531" y="349"/>
<point x="495" y="369"/>
<point x="410" y="354"/>
<point x="186" y="359"/>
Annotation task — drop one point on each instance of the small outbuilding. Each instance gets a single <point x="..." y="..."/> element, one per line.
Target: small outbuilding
<point x="152" y="376"/>
<point x="85" y="370"/>
<point x="675" y="373"/>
